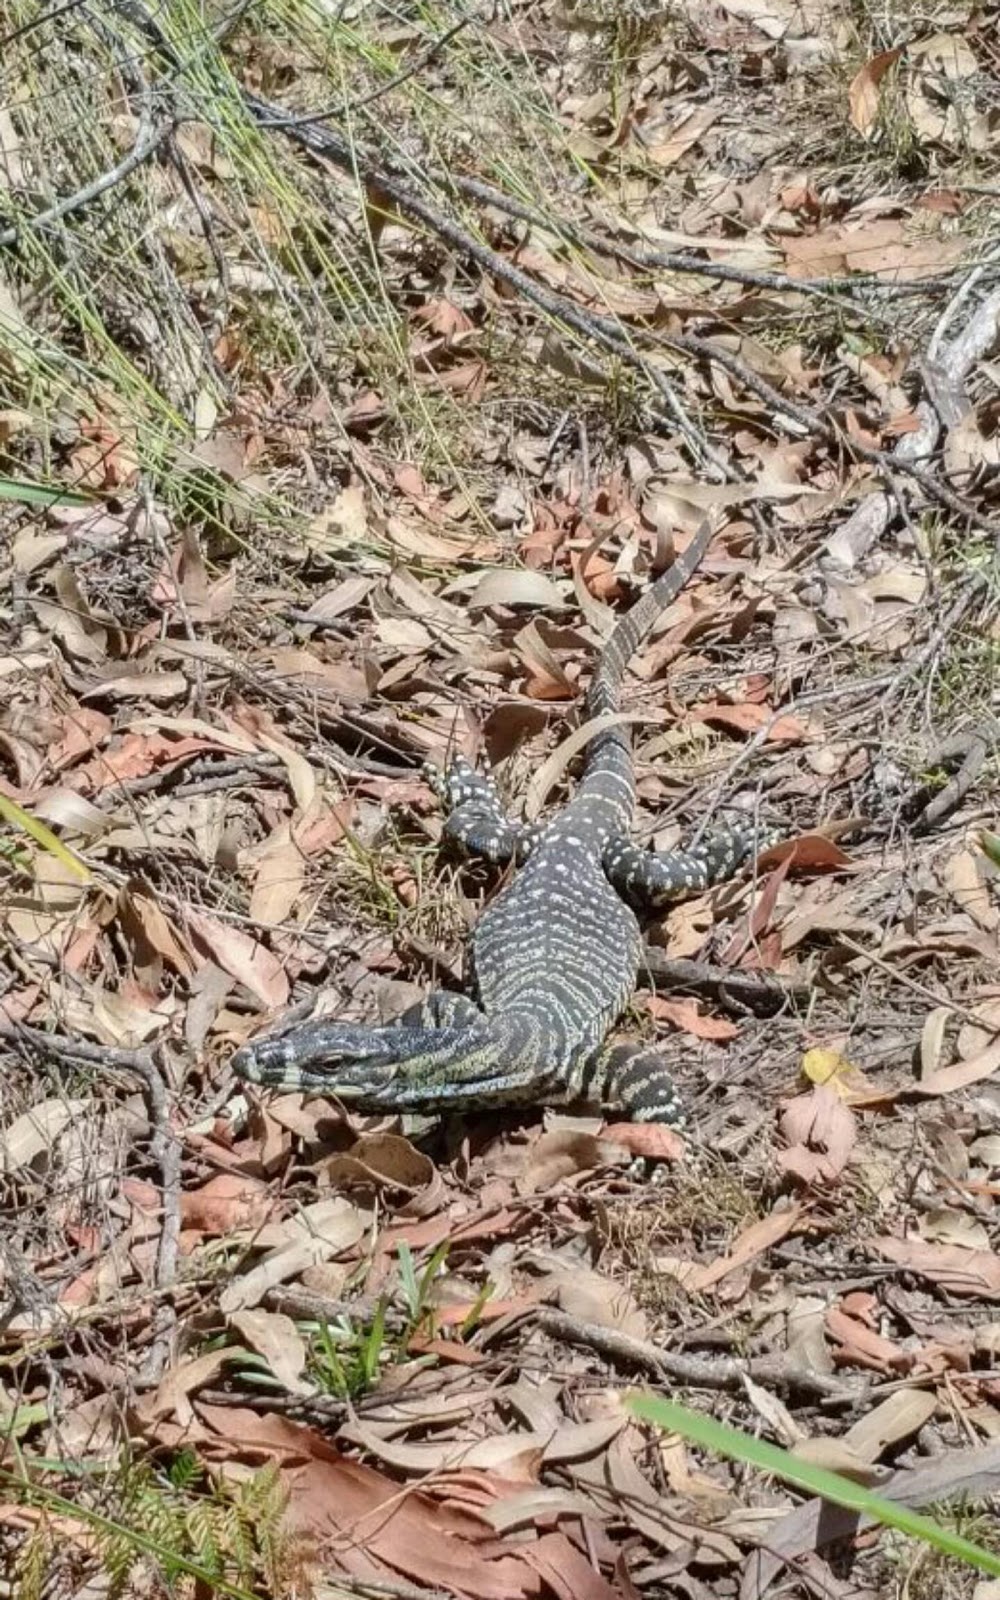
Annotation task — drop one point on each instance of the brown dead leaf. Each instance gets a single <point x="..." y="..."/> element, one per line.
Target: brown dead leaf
<point x="559" y="1154"/>
<point x="368" y="1527"/>
<point x="750" y="717"/>
<point x="512" y="586"/>
<point x="319" y="1231"/>
<point x="820" y="1131"/>
<point x="755" y="1239"/>
<point x="244" y="958"/>
<point x="946" y="1080"/>
<point x="836" y="1456"/>
<point x="172" y="1397"/>
<point x="275" y="1337"/>
<point x="150" y="933"/>
<point x="950" y="1267"/>
<point x="686" y="1015"/>
<point x="863" y="95"/>
<point x="34" y="1132"/>
<point x="812" y="852"/>
<point x="387" y="1160"/>
<point x="898" y="1417"/>
<point x="589" y="1295"/>
<point x="861" y="1346"/>
<point x="942" y="66"/>
<point x="879" y="245"/>
<point x="966" y="878"/>
<point x="281" y="872"/>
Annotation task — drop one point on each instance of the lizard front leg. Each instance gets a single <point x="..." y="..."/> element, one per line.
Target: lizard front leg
<point x="476" y="819"/>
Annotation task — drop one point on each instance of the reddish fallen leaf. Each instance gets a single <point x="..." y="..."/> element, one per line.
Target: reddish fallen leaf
<point x="749" y="935"/>
<point x="225" y="1203"/>
<point x="566" y="1570"/>
<point x="462" y="1355"/>
<point x="319" y="833"/>
<point x="810" y="851"/>
<point x="821" y="1132"/>
<point x="860" y="1346"/>
<point x="685" y="1015"/>
<point x="950" y="1267"/>
<point x="749" y="717"/>
<point x="367" y="1526"/>
<point x="453" y="1316"/>
<point x="653" y="1140"/>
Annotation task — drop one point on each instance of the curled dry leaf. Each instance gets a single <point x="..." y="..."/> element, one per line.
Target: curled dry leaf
<point x="386" y="1160"/>
<point x="946" y="1080"/>
<point x="863" y="95"/>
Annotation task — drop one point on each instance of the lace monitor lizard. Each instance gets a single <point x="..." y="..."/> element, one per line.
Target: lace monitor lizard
<point x="555" y="955"/>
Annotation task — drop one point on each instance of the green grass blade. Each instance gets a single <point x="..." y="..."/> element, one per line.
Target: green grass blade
<point x="990" y="846"/>
<point x="40" y="494"/>
<point x="43" y="836"/>
<point x="814" y="1480"/>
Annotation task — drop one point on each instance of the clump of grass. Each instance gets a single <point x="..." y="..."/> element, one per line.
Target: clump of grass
<point x="177" y="1527"/>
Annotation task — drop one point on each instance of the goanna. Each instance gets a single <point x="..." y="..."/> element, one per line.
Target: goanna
<point x="555" y="956"/>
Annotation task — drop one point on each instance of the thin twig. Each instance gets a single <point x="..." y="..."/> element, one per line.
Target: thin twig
<point x="726" y="1372"/>
<point x="915" y="987"/>
<point x="165" y="1149"/>
<point x="148" y="139"/>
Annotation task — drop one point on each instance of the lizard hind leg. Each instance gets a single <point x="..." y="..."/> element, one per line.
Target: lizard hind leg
<point x="476" y="820"/>
<point x="649" y="878"/>
<point x="634" y="1078"/>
